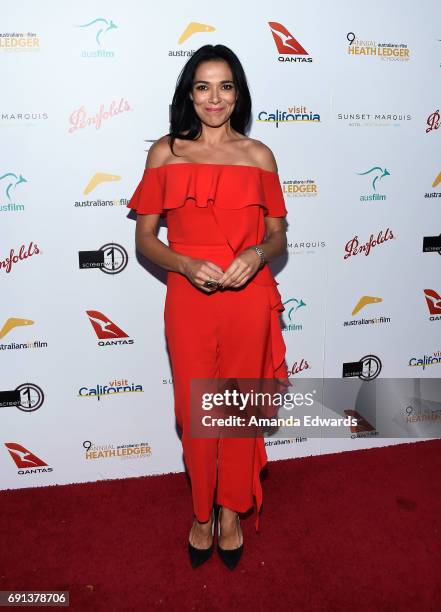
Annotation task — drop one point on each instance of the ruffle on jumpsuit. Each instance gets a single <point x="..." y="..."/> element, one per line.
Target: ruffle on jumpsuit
<point x="237" y="198"/>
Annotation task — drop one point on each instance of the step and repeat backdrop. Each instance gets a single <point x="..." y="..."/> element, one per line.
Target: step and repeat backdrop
<point x="346" y="94"/>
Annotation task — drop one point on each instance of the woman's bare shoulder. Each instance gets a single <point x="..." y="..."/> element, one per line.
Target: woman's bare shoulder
<point x="261" y="155"/>
<point x="158" y="153"/>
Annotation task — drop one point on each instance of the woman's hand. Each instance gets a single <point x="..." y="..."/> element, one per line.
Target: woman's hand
<point x="200" y="270"/>
<point x="242" y="268"/>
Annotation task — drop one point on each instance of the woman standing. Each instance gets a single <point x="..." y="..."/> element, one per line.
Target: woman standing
<point x="220" y="193"/>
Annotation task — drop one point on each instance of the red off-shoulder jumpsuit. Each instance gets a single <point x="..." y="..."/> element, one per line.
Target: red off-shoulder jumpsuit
<point x="213" y="212"/>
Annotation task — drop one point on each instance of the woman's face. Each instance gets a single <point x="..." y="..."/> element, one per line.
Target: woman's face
<point x="213" y="92"/>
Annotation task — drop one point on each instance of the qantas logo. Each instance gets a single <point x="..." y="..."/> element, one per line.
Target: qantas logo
<point x="27" y="462"/>
<point x="287" y="45"/>
<point x="433" y="300"/>
<point x="106" y="329"/>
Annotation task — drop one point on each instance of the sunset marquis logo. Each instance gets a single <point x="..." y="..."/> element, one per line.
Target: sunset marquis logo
<point x="97" y="181"/>
<point x="375" y="175"/>
<point x="305" y="188"/>
<point x="133" y="450"/>
<point x="26" y="118"/>
<point x="305" y="247"/>
<point x="79" y="118"/>
<point x="431" y="244"/>
<point x="192" y="29"/>
<point x="27" y="397"/>
<point x="289" y="49"/>
<point x="19" y="42"/>
<point x="114" y="387"/>
<point x="99" y="30"/>
<point x="292" y="306"/>
<point x="354" y="247"/>
<point x="13" y="323"/>
<point x="364" y="301"/>
<point x="388" y="51"/>
<point x="436" y="183"/>
<point x="294" y="114"/>
<point x="108" y="333"/>
<point x="9" y="181"/>
<point x="425" y="360"/>
<point x="26" y="461"/>
<point x="373" y="119"/>
<point x="111" y="258"/>
<point x="367" y="368"/>
<point x="24" y="252"/>
<point x="433" y="301"/>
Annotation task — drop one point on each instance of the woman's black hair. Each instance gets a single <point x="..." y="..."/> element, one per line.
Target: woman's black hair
<point x="183" y="117"/>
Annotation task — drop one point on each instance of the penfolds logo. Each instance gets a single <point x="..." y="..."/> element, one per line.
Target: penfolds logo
<point x="79" y="118"/>
<point x="298" y="366"/>
<point x="23" y="253"/>
<point x="353" y="247"/>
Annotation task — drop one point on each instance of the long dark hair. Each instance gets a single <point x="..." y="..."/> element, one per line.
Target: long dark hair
<point x="183" y="117"/>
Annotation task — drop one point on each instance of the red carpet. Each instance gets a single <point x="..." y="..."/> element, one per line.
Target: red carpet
<point x="349" y="531"/>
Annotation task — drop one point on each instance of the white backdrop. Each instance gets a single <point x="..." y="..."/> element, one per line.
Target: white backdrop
<point x="86" y="88"/>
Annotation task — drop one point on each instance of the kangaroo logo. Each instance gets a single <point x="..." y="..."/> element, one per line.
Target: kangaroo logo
<point x="11" y="182"/>
<point x="293" y="309"/>
<point x="378" y="174"/>
<point x="102" y="26"/>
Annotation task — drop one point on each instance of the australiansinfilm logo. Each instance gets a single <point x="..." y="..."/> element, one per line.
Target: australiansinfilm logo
<point x="367" y="301"/>
<point x="111" y="258"/>
<point x="193" y="28"/>
<point x="99" y="181"/>
<point x="436" y="185"/>
<point x="27" y="397"/>
<point x="12" y="323"/>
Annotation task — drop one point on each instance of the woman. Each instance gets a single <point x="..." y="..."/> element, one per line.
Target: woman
<point x="222" y="199"/>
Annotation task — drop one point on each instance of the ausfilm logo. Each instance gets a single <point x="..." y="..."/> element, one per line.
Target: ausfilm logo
<point x="362" y="119"/>
<point x="108" y="333"/>
<point x="289" y="49"/>
<point x="436" y="183"/>
<point x="367" y="368"/>
<point x="390" y="52"/>
<point x="9" y="181"/>
<point x="432" y="244"/>
<point x="433" y="301"/>
<point x="298" y="366"/>
<point x="114" y="387"/>
<point x="294" y="114"/>
<point x="425" y="360"/>
<point x="354" y="247"/>
<point x="24" y="253"/>
<point x="306" y="247"/>
<point x="292" y="308"/>
<point x="27" y="462"/>
<point x="433" y="121"/>
<point x="27" y="397"/>
<point x="97" y="181"/>
<point x="192" y="29"/>
<point x="366" y="301"/>
<point x="132" y="450"/>
<point x="111" y="258"/>
<point x="375" y="175"/>
<point x="99" y="32"/>
<point x="19" y="42"/>
<point x="8" y="326"/>
<point x="299" y="188"/>
<point x="79" y="119"/>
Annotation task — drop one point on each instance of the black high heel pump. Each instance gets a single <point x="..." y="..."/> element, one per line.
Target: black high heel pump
<point x="198" y="556"/>
<point x="229" y="557"/>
